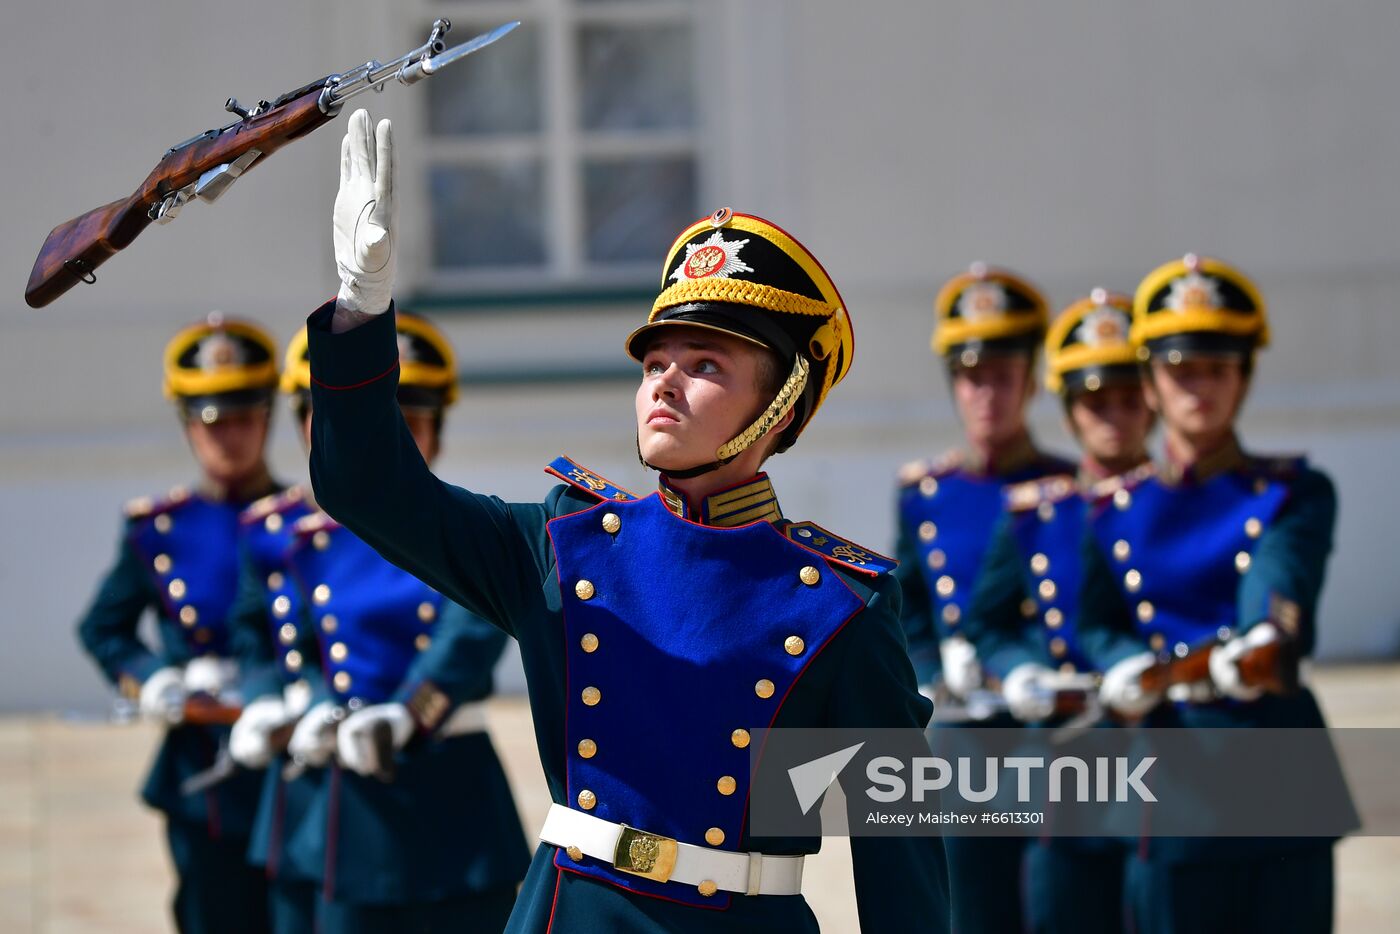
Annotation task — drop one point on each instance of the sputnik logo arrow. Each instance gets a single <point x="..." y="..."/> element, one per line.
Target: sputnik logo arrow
<point x="810" y="780"/>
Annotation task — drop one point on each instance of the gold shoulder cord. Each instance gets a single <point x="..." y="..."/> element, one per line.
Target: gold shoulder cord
<point x="782" y="404"/>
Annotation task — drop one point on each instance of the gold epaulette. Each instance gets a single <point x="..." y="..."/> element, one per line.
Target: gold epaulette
<point x="145" y="506"/>
<point x="313" y="523"/>
<point x="938" y="467"/>
<point x="1108" y="486"/>
<point x="1023" y="497"/>
<point x="584" y="479"/>
<point x="837" y="549"/>
<point x="260" y="509"/>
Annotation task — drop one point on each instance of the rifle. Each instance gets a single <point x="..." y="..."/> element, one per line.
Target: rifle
<point x="1072" y="696"/>
<point x="204" y="166"/>
<point x="1272" y="667"/>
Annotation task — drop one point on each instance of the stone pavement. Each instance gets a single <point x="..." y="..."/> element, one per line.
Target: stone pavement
<point x="80" y="855"/>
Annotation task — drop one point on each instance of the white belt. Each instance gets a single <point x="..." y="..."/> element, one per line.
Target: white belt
<point x="744" y="873"/>
<point x="467" y="718"/>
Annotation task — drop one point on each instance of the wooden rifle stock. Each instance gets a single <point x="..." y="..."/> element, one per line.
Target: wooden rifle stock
<point x="1272" y="666"/>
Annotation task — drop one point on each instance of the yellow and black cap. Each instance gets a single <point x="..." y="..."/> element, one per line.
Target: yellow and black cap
<point x="1198" y="305"/>
<point x="220" y="366"/>
<point x="1088" y="346"/>
<point x="427" y="365"/>
<point x="747" y="277"/>
<point x="987" y="311"/>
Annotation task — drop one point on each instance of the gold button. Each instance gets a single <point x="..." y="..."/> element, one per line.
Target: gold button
<point x="1039" y="565"/>
<point x="273" y="523"/>
<point x="177" y="589"/>
<point x="1122" y="499"/>
<point x="162" y="564"/>
<point x="1146" y="611"/>
<point x="339" y="652"/>
<point x="1133" y="581"/>
<point x="163" y="523"/>
<point x="611" y="523"/>
<point x="1054" y="618"/>
<point x="740" y="738"/>
<point x="1157" y="642"/>
<point x="584" y="590"/>
<point x="287" y="633"/>
<point x="726" y="785"/>
<point x="1058" y="647"/>
<point x="574" y="852"/>
<point x="321" y="541"/>
<point x="591" y="696"/>
<point x="928" y="486"/>
<point x="322" y="594"/>
<point x="794" y="645"/>
<point x="951" y="614"/>
<point x="427" y="612"/>
<point x="202" y="636"/>
<point x="927" y="531"/>
<point x="422" y="641"/>
<point x="1242" y="561"/>
<point x="587" y="748"/>
<point x="714" y="836"/>
<point x="281" y="606"/>
<point x="275" y="580"/>
<point x="329" y="623"/>
<point x="936" y="559"/>
<point x="707" y="888"/>
<point x="809" y="575"/>
<point x="1029" y="607"/>
<point x="293" y="660"/>
<point x="1046" y="511"/>
<point x="587" y="800"/>
<point x="1253" y="527"/>
<point x="1047" y="590"/>
<point x="1122" y="550"/>
<point x="764" y="688"/>
<point x="945" y="586"/>
<point x="189" y="615"/>
<point x="341" y="681"/>
<point x="588" y="642"/>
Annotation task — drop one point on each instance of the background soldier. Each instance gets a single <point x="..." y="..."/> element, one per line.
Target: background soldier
<point x="178" y="556"/>
<point x="1023" y="618"/>
<point x="989" y="324"/>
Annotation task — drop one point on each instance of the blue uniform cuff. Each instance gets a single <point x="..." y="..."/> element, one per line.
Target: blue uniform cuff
<point x="352" y="359"/>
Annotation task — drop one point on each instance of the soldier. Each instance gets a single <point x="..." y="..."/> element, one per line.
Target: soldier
<point x="420" y="833"/>
<point x="657" y="631"/>
<point x="1022" y="619"/>
<point x="177" y="556"/>
<point x="989" y="325"/>
<point x="1221" y="545"/>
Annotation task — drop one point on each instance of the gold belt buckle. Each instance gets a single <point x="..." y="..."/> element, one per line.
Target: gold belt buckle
<point x="645" y="854"/>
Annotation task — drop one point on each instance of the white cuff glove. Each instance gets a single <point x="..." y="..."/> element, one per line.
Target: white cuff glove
<point x="961" y="670"/>
<point x="210" y="674"/>
<point x="163" y="695"/>
<point x="355" y="742"/>
<point x="1224" y="662"/>
<point x="250" y="741"/>
<point x="362" y="225"/>
<point x="313" y="740"/>
<point x="1027" y="696"/>
<point x="1122" y="692"/>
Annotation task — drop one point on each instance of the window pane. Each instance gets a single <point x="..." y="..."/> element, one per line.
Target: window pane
<point x="634" y="208"/>
<point x="495" y="92"/>
<point x="488" y="216"/>
<point x="635" y="77"/>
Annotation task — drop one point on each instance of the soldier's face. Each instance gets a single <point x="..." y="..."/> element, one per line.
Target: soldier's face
<point x="231" y="449"/>
<point x="1198" y="397"/>
<point x="991" y="398"/>
<point x="1111" y="423"/>
<point x="699" y="389"/>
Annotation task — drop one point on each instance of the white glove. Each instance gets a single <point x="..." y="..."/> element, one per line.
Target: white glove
<point x="210" y="674"/>
<point x="1122" y="692"/>
<point x="313" y="740"/>
<point x="362" y="227"/>
<point x="1027" y="696"/>
<point x="355" y="742"/>
<point x="1224" y="662"/>
<point x="961" y="670"/>
<point x="250" y="741"/>
<point x="163" y="695"/>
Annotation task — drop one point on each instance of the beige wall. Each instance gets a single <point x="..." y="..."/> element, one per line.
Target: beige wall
<point x="1080" y="142"/>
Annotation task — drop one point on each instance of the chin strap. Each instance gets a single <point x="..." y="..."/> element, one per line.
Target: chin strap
<point x="778" y="409"/>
